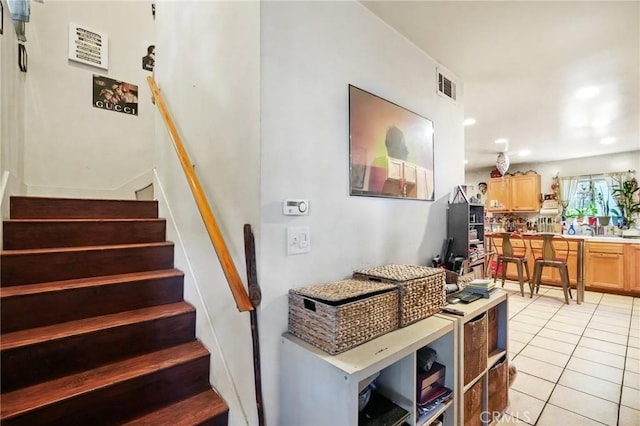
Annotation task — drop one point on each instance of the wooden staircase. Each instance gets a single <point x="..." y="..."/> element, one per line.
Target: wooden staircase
<point x="94" y="328"/>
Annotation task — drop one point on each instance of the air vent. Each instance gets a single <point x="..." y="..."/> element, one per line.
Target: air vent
<point x="446" y="87"/>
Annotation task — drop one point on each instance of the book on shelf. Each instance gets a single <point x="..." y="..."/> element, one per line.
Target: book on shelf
<point x="428" y="409"/>
<point x="381" y="411"/>
<point x="485" y="293"/>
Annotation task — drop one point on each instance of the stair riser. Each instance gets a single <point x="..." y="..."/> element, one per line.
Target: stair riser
<point x="36" y="235"/>
<point x="40" y="309"/>
<point x="32" y="268"/>
<point x="59" y="208"/>
<point x="124" y="400"/>
<point x="35" y="363"/>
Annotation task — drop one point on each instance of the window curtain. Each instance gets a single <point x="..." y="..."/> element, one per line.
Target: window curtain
<point x="568" y="188"/>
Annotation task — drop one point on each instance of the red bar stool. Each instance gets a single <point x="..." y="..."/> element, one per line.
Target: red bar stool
<point x="552" y="254"/>
<point x="511" y="248"/>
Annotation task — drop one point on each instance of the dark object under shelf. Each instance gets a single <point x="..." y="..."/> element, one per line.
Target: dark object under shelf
<point x="380" y="411"/>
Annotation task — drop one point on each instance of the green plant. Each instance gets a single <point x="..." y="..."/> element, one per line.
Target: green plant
<point x="626" y="195"/>
<point x="604" y="204"/>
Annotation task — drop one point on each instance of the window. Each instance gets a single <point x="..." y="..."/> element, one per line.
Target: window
<point x="589" y="196"/>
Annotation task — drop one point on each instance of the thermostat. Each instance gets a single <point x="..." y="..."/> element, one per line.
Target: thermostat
<point x="295" y="207"/>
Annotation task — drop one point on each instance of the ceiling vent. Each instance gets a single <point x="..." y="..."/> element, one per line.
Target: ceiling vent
<point x="446" y="87"/>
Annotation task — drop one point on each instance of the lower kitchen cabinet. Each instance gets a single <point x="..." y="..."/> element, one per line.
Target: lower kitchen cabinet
<point x="632" y="267"/>
<point x="604" y="265"/>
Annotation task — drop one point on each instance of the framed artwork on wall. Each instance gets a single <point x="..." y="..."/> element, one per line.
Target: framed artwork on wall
<point x="390" y="149"/>
<point x="22" y="57"/>
<point x="1" y="18"/>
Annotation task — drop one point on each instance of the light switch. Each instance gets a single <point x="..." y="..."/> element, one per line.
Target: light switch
<point x="298" y="240"/>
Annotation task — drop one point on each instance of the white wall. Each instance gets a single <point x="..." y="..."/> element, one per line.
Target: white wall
<point x="310" y="52"/>
<point x="208" y="69"/>
<point x="582" y="166"/>
<point x="72" y="148"/>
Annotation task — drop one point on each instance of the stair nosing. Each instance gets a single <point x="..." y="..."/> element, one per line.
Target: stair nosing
<point x="21" y="252"/>
<point x="88" y="220"/>
<point x="104" y="377"/>
<point x="76" y="283"/>
<point x="85" y="326"/>
<point x="214" y="410"/>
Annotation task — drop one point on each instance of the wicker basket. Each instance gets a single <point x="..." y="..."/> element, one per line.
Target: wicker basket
<point x="422" y="289"/>
<point x="473" y="405"/>
<point x="498" y="389"/>
<point x="338" y="316"/>
<point x="475" y="347"/>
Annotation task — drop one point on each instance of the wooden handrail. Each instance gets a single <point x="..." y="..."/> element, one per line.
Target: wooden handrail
<point x="228" y="267"/>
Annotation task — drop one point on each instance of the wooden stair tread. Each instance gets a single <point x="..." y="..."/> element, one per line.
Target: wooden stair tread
<point x="191" y="411"/>
<point x="27" y="207"/>
<point x="73" y="328"/>
<point x="47" y="393"/>
<point x="90" y="220"/>
<point x="38" y="288"/>
<point x="83" y="248"/>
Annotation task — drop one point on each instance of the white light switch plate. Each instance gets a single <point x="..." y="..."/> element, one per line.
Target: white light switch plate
<point x="298" y="240"/>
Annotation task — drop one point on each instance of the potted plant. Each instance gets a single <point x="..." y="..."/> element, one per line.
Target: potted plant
<point x="626" y="194"/>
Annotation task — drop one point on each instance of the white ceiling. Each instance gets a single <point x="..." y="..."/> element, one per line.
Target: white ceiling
<point x="521" y="64"/>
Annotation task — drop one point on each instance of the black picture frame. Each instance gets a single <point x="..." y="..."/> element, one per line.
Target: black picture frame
<point x="1" y="18"/>
<point x="391" y="149"/>
<point x="22" y="57"/>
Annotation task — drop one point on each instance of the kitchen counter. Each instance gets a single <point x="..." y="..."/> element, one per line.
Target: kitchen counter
<point x="597" y="238"/>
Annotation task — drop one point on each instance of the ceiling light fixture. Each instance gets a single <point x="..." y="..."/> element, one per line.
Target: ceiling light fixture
<point x="524" y="152"/>
<point x="607" y="141"/>
<point x="502" y="163"/>
<point x="502" y="140"/>
<point x="587" y="92"/>
<point x="469" y="121"/>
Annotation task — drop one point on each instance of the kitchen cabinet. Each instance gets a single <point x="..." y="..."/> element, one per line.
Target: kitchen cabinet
<point x="632" y="267"/>
<point x="525" y="193"/>
<point x="321" y="389"/>
<point x="604" y="265"/>
<point x="519" y="193"/>
<point x="483" y="360"/>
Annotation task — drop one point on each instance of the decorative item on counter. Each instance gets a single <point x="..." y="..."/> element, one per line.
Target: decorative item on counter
<point x="626" y="195"/>
<point x="495" y="173"/>
<point x="555" y="187"/>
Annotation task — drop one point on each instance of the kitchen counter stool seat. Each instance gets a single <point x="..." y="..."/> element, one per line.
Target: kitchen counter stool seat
<point x="554" y="256"/>
<point x="511" y="248"/>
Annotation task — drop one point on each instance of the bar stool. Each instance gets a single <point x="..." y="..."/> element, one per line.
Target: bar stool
<point x="511" y="248"/>
<point x="551" y="254"/>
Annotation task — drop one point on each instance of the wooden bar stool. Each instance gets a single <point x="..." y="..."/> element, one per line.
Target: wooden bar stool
<point x="511" y="248"/>
<point x="553" y="254"/>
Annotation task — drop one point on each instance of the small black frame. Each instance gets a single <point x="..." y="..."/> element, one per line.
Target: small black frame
<point x="22" y="57"/>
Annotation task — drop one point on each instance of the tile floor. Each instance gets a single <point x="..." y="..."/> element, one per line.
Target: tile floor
<point x="577" y="364"/>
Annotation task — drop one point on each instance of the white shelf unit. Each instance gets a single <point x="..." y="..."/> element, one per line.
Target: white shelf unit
<point x="320" y="389"/>
<point x="474" y="312"/>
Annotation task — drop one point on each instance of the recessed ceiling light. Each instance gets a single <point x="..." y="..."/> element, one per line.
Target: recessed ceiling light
<point x="607" y="141"/>
<point x="587" y="92"/>
<point x="502" y="140"/>
<point x="524" y="152"/>
<point x="600" y="122"/>
<point x="469" y="121"/>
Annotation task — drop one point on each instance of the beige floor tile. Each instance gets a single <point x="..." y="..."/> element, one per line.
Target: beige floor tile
<point x="594" y="325"/>
<point x="528" y="319"/>
<point x="632" y="365"/>
<point x="515" y="346"/>
<point x="519" y="336"/>
<point x="538" y="368"/>
<point x="634" y="342"/>
<point x="540" y="315"/>
<point x="630" y="398"/>
<point x="619" y="322"/>
<point x="628" y="416"/>
<point x="615" y="306"/>
<point x="594" y="369"/>
<point x="524" y="407"/>
<point x="631" y="380"/>
<point x="508" y="419"/>
<point x="635" y="323"/>
<point x="521" y="326"/>
<point x="554" y="416"/>
<point x="587" y="405"/>
<point x="592" y="297"/>
<point x="545" y="355"/>
<point x="559" y="335"/>
<point x="532" y="386"/>
<point x="542" y="309"/>
<point x="605" y="336"/>
<point x="614" y="299"/>
<point x="633" y="353"/>
<point x="567" y="327"/>
<point x="554" y="345"/>
<point x="591" y="385"/>
<point x="600" y="345"/>
<point x="634" y="332"/>
<point x="600" y="357"/>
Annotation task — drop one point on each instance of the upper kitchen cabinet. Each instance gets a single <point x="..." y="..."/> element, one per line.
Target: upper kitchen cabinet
<point x="519" y="193"/>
